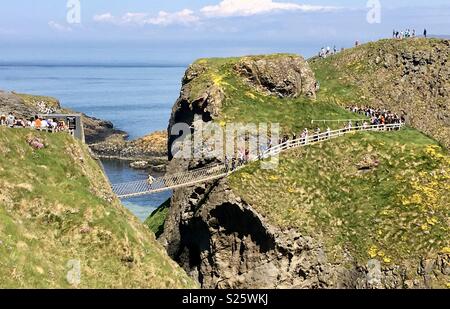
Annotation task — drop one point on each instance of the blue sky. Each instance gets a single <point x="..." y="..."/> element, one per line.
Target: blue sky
<point x="220" y="22"/>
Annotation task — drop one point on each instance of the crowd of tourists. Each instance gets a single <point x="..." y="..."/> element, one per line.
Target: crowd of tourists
<point x="377" y="116"/>
<point x="408" y="33"/>
<point x="327" y="52"/>
<point x="38" y="123"/>
<point x="396" y="34"/>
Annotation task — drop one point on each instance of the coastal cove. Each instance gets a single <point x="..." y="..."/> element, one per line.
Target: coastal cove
<point x="137" y="100"/>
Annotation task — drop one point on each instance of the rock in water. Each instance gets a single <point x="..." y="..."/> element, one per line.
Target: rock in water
<point x="140" y="165"/>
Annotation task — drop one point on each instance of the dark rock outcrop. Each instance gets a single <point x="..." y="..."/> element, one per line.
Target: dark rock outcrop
<point x="288" y="76"/>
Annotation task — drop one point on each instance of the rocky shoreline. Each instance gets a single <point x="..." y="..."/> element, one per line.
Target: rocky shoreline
<point x="105" y="141"/>
<point x="146" y="153"/>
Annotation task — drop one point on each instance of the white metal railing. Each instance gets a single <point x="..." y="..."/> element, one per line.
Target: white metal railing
<point x="217" y="171"/>
<point x="354" y="120"/>
<point x="315" y="138"/>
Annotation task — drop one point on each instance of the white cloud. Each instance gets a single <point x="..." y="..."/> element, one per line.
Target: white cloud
<point x="59" y="27"/>
<point x="104" y="18"/>
<point x="183" y="17"/>
<point x="226" y="8"/>
<point x="229" y="8"/>
<point x="134" y="18"/>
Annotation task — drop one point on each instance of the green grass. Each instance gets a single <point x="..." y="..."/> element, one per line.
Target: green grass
<point x="397" y="211"/>
<point x="33" y="100"/>
<point x="156" y="220"/>
<point x="244" y="104"/>
<point x="56" y="206"/>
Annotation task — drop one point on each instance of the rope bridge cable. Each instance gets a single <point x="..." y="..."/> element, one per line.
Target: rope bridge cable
<point x="217" y="171"/>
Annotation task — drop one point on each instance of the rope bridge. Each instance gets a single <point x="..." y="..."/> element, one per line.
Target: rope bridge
<point x="213" y="172"/>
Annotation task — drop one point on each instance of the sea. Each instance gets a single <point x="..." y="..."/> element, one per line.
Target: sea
<point x="135" y="87"/>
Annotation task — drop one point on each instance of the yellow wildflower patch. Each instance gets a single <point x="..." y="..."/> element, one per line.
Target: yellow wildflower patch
<point x="416" y="199"/>
<point x="387" y="260"/>
<point x="425" y="227"/>
<point x="373" y="251"/>
<point x="432" y="151"/>
<point x="446" y="250"/>
<point x="432" y="221"/>
<point x="250" y="95"/>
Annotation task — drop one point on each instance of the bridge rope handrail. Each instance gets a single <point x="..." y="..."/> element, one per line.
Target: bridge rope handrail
<point x="217" y="171"/>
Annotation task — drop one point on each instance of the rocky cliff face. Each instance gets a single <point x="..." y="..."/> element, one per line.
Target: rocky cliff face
<point x="223" y="242"/>
<point x="203" y="94"/>
<point x="288" y="76"/>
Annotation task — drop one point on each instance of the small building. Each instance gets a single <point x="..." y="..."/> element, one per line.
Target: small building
<point x="73" y="121"/>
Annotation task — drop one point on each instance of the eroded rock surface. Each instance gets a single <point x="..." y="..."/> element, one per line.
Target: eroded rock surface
<point x="288" y="76"/>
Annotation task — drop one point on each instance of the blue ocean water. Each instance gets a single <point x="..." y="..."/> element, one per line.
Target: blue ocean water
<point x="136" y="97"/>
<point x="132" y="86"/>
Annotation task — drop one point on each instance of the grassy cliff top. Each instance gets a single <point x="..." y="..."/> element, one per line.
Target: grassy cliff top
<point x="243" y="103"/>
<point x="35" y="100"/>
<point x="56" y="206"/>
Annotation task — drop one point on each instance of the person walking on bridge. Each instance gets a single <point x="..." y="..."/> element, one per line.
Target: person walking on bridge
<point x="150" y="179"/>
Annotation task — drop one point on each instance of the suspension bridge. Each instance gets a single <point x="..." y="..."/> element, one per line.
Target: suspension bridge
<point x="218" y="171"/>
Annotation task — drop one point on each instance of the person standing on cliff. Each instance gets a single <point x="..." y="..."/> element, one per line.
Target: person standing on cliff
<point x="425" y="33"/>
<point x="10" y="121"/>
